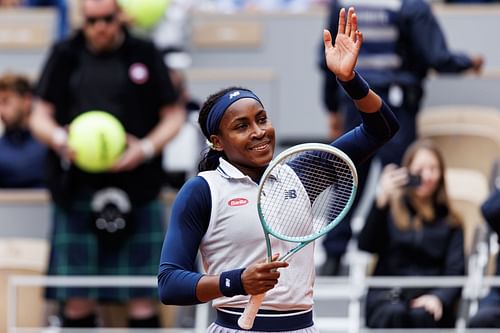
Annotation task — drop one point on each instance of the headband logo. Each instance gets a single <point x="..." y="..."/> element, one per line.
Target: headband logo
<point x="234" y="94"/>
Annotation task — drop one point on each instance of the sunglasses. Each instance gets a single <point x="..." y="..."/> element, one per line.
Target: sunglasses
<point x="108" y="19"/>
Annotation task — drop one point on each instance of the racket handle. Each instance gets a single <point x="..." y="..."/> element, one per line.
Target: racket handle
<point x="248" y="316"/>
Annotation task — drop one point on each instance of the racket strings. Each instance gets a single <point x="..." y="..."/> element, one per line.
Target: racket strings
<point x="305" y="193"/>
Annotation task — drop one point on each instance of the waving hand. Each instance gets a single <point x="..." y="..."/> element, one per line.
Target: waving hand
<point x="341" y="58"/>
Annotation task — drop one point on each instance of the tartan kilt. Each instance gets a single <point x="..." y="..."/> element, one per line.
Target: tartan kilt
<point x="76" y="249"/>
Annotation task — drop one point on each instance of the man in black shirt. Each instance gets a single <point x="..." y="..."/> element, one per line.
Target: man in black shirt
<point x="106" y="223"/>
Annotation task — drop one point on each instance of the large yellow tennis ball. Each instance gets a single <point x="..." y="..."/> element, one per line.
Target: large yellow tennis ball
<point x="98" y="140"/>
<point x="145" y="13"/>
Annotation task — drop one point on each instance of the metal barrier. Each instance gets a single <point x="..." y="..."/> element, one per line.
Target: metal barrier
<point x="15" y="281"/>
<point x="326" y="288"/>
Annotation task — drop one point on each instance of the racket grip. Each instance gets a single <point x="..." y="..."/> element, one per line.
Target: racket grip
<point x="248" y="316"/>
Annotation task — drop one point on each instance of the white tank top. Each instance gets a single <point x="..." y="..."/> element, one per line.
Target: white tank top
<point x="235" y="239"/>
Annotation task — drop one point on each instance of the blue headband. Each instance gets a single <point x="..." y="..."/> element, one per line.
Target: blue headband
<point x="222" y="104"/>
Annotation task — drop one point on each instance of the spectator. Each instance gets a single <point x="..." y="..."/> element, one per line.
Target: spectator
<point x="488" y="315"/>
<point x="103" y="67"/>
<point x="414" y="232"/>
<point x="21" y="156"/>
<point x="403" y="42"/>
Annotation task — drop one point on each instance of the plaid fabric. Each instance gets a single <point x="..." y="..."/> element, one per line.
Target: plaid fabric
<point x="76" y="249"/>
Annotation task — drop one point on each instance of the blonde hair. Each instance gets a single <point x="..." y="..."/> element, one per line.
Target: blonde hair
<point x="403" y="218"/>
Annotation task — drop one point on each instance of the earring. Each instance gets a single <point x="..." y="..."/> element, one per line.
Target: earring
<point x="210" y="144"/>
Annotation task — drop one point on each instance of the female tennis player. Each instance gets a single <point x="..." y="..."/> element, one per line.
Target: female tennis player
<point x="216" y="212"/>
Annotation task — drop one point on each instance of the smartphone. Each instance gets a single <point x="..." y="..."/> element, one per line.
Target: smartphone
<point x="414" y="180"/>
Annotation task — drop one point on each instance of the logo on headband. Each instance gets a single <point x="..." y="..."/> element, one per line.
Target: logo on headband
<point x="234" y="94"/>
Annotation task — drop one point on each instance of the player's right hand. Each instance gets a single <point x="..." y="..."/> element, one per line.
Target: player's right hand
<point x="260" y="277"/>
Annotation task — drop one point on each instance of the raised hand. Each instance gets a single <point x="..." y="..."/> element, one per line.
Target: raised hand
<point x="341" y="58"/>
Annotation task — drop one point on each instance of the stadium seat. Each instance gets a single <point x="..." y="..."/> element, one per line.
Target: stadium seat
<point x="22" y="256"/>
<point x="27" y="28"/>
<point x="468" y="136"/>
<point x="467" y="189"/>
<point x="227" y="32"/>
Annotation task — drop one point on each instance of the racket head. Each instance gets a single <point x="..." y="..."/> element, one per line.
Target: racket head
<point x="306" y="191"/>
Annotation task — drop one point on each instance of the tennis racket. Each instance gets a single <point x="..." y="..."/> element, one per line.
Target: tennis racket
<point x="303" y="194"/>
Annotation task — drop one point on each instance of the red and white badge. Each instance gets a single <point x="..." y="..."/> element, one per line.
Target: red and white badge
<point x="138" y="73"/>
<point x="236" y="202"/>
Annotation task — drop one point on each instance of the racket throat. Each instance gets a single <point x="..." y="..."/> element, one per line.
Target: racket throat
<point x="292" y="252"/>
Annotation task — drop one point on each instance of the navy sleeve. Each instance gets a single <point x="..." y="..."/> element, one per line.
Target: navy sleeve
<point x="363" y="141"/>
<point x="491" y="211"/>
<point x="188" y="223"/>
<point x="374" y="236"/>
<point x="428" y="40"/>
<point x="454" y="266"/>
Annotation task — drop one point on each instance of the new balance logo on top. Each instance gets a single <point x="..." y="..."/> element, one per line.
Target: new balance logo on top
<point x="228" y="283"/>
<point x="234" y="94"/>
<point x="290" y="194"/>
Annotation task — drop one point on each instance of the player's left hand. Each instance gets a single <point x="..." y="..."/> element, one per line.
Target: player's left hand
<point x="131" y="158"/>
<point x="431" y="303"/>
<point x="341" y="58"/>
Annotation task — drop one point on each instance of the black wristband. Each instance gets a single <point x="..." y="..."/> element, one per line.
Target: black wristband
<point x="230" y="283"/>
<point x="357" y="88"/>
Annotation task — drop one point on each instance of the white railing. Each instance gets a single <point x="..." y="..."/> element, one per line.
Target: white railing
<point x="326" y="288"/>
<point x="15" y="281"/>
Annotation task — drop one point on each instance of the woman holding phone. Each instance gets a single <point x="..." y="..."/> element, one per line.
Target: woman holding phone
<point x="414" y="232"/>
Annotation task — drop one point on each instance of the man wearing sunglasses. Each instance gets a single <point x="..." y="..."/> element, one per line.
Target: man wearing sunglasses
<point x="103" y="30"/>
<point x="103" y="67"/>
